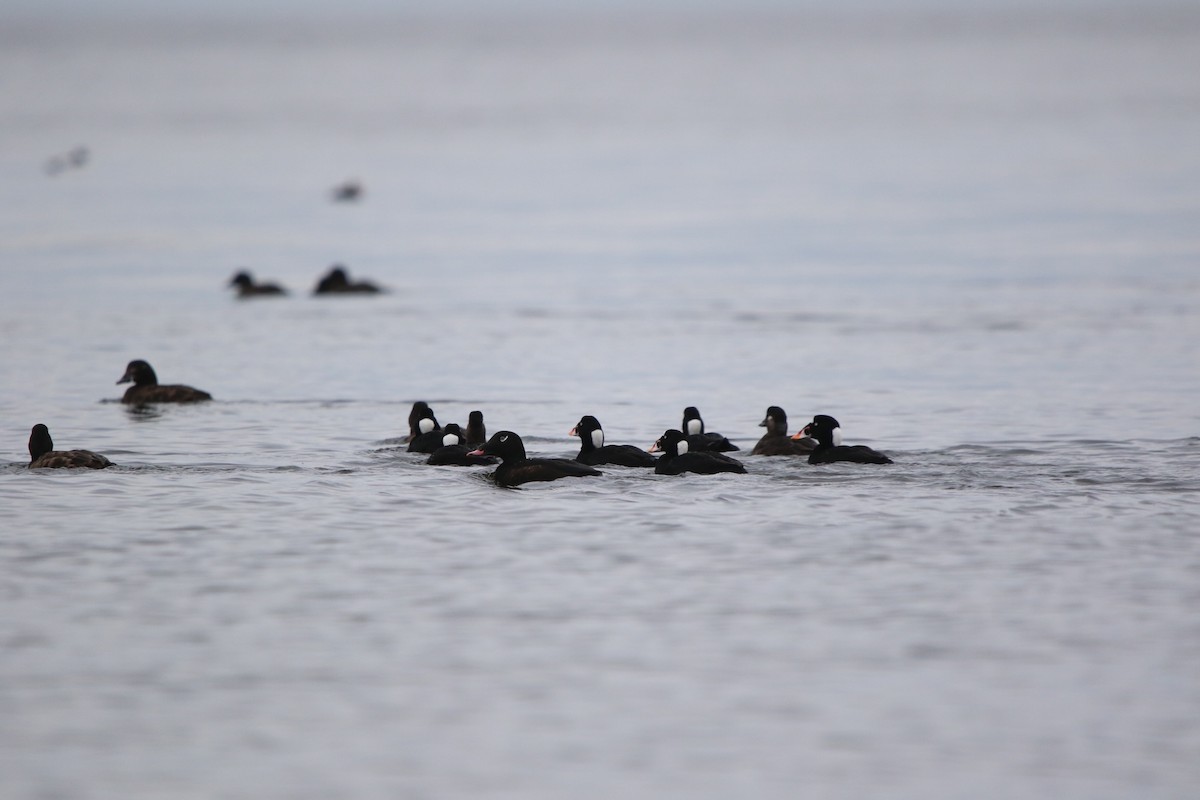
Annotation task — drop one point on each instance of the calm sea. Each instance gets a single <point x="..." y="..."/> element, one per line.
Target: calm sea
<point x="972" y="236"/>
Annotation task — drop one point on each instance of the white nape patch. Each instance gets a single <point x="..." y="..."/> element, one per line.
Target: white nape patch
<point x="597" y="439"/>
<point x="449" y="439"/>
<point x="682" y="447"/>
<point x="693" y="427"/>
<point x="426" y="425"/>
<point x="837" y="437"/>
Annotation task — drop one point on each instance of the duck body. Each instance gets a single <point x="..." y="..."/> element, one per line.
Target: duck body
<point x="594" y="452"/>
<point x="516" y="468"/>
<point x="829" y="450"/>
<point x="42" y="454"/>
<point x="698" y="439"/>
<point x="775" y="442"/>
<point x="337" y="281"/>
<point x="677" y="458"/>
<point x="147" y="389"/>
<point x="246" y="287"/>
<point x="455" y="452"/>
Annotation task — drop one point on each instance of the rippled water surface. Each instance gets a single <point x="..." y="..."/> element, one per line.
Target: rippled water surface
<point x="971" y="237"/>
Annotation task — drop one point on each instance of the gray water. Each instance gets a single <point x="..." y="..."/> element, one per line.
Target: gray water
<point x="971" y="236"/>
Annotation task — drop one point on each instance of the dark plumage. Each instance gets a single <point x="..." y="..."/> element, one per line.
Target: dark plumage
<point x="516" y="468"/>
<point x="698" y="439"/>
<point x="146" y="388"/>
<point x="336" y="281"/>
<point x="476" y="430"/>
<point x="677" y="459"/>
<point x="828" y="433"/>
<point x="246" y="287"/>
<point x="428" y="436"/>
<point x="454" y="452"/>
<point x="347" y="192"/>
<point x="414" y="417"/>
<point x="775" y="441"/>
<point x="594" y="451"/>
<point x="43" y="455"/>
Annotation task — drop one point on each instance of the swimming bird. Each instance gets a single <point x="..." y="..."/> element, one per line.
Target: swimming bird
<point x="594" y="451"/>
<point x="43" y="455"/>
<point x="414" y="417"/>
<point x="698" y="440"/>
<point x="828" y="433"/>
<point x="455" y="452"/>
<point x="337" y="281"/>
<point x="676" y="458"/>
<point x="516" y="468"/>
<point x="775" y="441"/>
<point x="346" y="192"/>
<point x="428" y="432"/>
<point x="146" y="388"/>
<point x="246" y="287"/>
<point x="476" y="430"/>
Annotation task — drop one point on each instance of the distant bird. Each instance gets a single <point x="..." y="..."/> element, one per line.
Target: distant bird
<point x="43" y="455"/>
<point x="246" y="287"/>
<point x="775" y="441"/>
<point x="828" y="433"/>
<point x="698" y="440"/>
<point x="414" y="419"/>
<point x="517" y="468"/>
<point x="336" y="281"/>
<point x="347" y="192"/>
<point x="429" y="433"/>
<point x="676" y="459"/>
<point x="75" y="158"/>
<point x="146" y="388"/>
<point x="454" y="451"/>
<point x="594" y="452"/>
<point x="476" y="430"/>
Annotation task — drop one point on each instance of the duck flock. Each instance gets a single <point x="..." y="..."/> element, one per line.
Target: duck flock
<point x="689" y="448"/>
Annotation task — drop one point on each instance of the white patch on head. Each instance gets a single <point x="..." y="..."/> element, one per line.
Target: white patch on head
<point x="682" y="447"/>
<point x="693" y="427"/>
<point x="449" y="439"/>
<point x="504" y="438"/>
<point x="597" y="438"/>
<point x="837" y="437"/>
<point x="426" y="425"/>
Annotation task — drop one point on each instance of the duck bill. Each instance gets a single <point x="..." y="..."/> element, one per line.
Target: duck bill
<point x="654" y="448"/>
<point x="126" y="378"/>
<point x="574" y="431"/>
<point x="477" y="452"/>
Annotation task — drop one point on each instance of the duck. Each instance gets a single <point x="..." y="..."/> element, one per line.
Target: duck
<point x="146" y="388"/>
<point x="698" y="440"/>
<point x="455" y="452"/>
<point x="677" y="459"/>
<point x="414" y="417"/>
<point x="42" y="454"/>
<point x="476" y="430"/>
<point x="828" y="433"/>
<point x="594" y="452"/>
<point x="337" y="281"/>
<point x="775" y="442"/>
<point x="346" y="192"/>
<point x="516" y="468"/>
<point x="246" y="287"/>
<point x="428" y="435"/>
